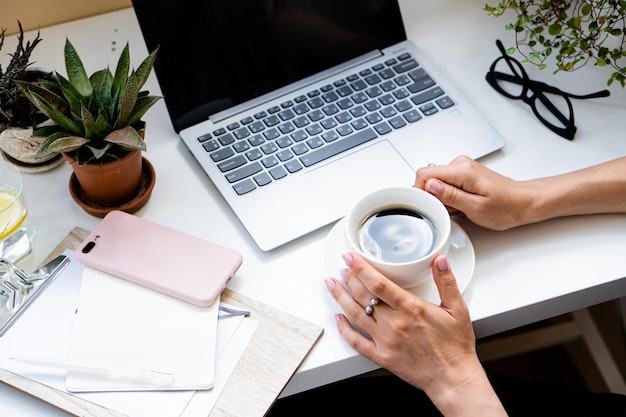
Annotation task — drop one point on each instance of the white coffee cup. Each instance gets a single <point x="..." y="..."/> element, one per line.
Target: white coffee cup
<point x="399" y="231"/>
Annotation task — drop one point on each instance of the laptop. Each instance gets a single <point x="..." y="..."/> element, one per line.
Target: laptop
<point x="297" y="108"/>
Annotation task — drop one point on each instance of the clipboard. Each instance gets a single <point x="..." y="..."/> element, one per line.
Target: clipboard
<point x="259" y="378"/>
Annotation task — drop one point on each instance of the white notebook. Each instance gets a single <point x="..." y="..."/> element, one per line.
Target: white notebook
<point x="124" y="326"/>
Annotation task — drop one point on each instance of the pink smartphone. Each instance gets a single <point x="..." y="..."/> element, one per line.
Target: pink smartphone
<point x="160" y="258"/>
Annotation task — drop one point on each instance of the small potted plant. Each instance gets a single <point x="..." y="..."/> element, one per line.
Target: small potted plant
<point x="572" y="32"/>
<point x="18" y="116"/>
<point x="98" y="128"/>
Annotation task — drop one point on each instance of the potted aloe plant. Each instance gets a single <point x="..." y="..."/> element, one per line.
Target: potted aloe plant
<point x="18" y="116"/>
<point x="98" y="126"/>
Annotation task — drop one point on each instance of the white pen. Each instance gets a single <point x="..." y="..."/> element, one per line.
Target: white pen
<point x="145" y="376"/>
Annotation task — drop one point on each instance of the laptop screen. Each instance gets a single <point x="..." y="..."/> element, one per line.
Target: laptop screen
<point x="215" y="54"/>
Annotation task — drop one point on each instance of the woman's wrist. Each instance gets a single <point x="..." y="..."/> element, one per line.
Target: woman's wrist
<point x="469" y="396"/>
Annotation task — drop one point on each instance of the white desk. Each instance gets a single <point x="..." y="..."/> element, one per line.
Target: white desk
<point x="521" y="276"/>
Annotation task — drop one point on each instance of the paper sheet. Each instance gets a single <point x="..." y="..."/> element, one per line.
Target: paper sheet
<point x="120" y="324"/>
<point x="45" y="330"/>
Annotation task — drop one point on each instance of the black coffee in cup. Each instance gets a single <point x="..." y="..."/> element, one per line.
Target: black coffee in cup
<point x="397" y="235"/>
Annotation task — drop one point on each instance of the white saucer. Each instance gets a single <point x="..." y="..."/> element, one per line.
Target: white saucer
<point x="460" y="255"/>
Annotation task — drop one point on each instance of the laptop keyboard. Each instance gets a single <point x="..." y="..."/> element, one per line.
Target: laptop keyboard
<point x="325" y="122"/>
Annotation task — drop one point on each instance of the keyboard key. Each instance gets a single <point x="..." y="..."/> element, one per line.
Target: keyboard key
<point x="301" y="121"/>
<point x="346" y="103"/>
<point x="299" y="136"/>
<point x="284" y="142"/>
<point x="256" y="127"/>
<point x="222" y="154"/>
<point x="358" y="111"/>
<point x="271" y="134"/>
<point x="388" y="112"/>
<point x="359" y="124"/>
<point x="343" y="117"/>
<point x="403" y="105"/>
<point x="205" y="137"/>
<point x="387" y="74"/>
<point x="256" y="140"/>
<point x="344" y="130"/>
<point x="286" y="128"/>
<point x="383" y="128"/>
<point x="269" y="162"/>
<point x="210" y="146"/>
<point x="427" y="95"/>
<point x="445" y="102"/>
<point x="254" y="154"/>
<point x="316" y="103"/>
<point x="314" y="129"/>
<point x="244" y="187"/>
<point x="405" y="66"/>
<point x="374" y="118"/>
<point x="262" y="179"/>
<point x="269" y="148"/>
<point x="337" y="147"/>
<point x="316" y="115"/>
<point x="301" y="108"/>
<point x="293" y="166"/>
<point x="226" y="139"/>
<point x="271" y="121"/>
<point x="244" y="172"/>
<point x="299" y="149"/>
<point x="345" y="91"/>
<point x="358" y="85"/>
<point x="328" y="123"/>
<point x="241" y="146"/>
<point x="397" y="122"/>
<point x="278" y="172"/>
<point x="330" y="136"/>
<point x="286" y="115"/>
<point x="330" y="109"/>
<point x="274" y="109"/>
<point x="241" y="133"/>
<point x="330" y="97"/>
<point x="429" y="109"/>
<point x="411" y="116"/>
<point x="315" y="142"/>
<point x="232" y="163"/>
<point x="421" y="85"/>
<point x="284" y="155"/>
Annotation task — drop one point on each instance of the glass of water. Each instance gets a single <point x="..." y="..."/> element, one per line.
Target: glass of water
<point x="16" y="233"/>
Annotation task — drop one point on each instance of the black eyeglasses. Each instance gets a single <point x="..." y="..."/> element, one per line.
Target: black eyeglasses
<point x="548" y="103"/>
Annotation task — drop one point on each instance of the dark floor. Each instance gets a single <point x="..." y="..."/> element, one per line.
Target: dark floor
<point x="569" y="363"/>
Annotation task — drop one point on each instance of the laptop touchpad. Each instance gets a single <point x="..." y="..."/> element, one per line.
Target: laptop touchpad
<point x="342" y="182"/>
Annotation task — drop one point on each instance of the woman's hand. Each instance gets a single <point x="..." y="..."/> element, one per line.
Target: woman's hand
<point x="430" y="346"/>
<point x="485" y="197"/>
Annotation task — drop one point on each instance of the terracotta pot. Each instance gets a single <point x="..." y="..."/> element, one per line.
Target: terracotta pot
<point x="109" y="183"/>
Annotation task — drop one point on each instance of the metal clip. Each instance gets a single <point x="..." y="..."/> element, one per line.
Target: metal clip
<point x="19" y="289"/>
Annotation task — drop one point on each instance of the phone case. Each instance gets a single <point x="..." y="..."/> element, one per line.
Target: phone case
<point x="160" y="258"/>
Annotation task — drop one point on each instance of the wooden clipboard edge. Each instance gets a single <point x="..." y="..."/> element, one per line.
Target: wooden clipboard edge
<point x="287" y="339"/>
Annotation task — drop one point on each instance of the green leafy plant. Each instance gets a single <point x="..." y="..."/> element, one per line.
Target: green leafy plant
<point x="16" y="110"/>
<point x="96" y="118"/>
<point x="574" y="32"/>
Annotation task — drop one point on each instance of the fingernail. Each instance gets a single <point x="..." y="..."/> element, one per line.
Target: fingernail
<point x="442" y="263"/>
<point x="347" y="258"/>
<point x="330" y="284"/>
<point x="343" y="273"/>
<point x="338" y="318"/>
<point x="433" y="186"/>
